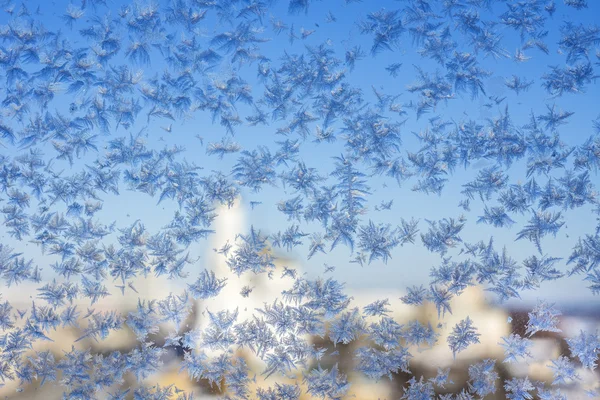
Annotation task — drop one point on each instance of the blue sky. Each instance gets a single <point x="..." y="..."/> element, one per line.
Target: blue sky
<point x="410" y="264"/>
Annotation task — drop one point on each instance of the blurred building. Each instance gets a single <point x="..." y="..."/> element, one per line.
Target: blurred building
<point x="492" y="323"/>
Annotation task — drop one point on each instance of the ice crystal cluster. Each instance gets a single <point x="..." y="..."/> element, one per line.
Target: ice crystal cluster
<point x="365" y="139"/>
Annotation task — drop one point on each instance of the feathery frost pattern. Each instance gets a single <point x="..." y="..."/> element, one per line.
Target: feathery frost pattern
<point x="433" y="145"/>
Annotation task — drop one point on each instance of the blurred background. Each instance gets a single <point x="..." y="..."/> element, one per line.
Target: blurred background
<point x="409" y="266"/>
<point x="492" y="322"/>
